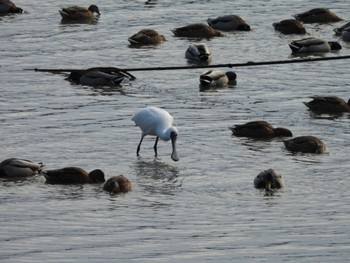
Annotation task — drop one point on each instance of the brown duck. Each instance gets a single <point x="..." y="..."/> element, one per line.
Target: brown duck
<point x="330" y="105"/>
<point x="259" y="129"/>
<point x="305" y="144"/>
<point x="7" y="7"/>
<point x="196" y="31"/>
<point x="117" y="184"/>
<point x="318" y="15"/>
<point x="146" y="37"/>
<point x="79" y="13"/>
<point x="73" y="175"/>
<point x="290" y="26"/>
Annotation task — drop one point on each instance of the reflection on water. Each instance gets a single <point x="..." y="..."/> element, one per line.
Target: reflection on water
<point x="93" y="21"/>
<point x="257" y="145"/>
<point x="158" y="177"/>
<point x="18" y="181"/>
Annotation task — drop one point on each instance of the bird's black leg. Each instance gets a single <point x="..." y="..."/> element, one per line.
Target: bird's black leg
<point x="139" y="146"/>
<point x="155" y="146"/>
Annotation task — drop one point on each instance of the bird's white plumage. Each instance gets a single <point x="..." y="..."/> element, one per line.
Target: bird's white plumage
<point x="157" y="122"/>
<point x="153" y="121"/>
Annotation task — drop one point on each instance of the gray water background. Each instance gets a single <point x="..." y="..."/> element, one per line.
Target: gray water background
<point x="203" y="208"/>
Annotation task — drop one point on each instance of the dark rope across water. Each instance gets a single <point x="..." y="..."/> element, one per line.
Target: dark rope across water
<point x="229" y="65"/>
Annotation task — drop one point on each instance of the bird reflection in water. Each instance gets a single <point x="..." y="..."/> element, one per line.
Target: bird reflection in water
<point x="158" y="177"/>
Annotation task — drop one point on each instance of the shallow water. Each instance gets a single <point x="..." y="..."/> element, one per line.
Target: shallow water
<point x="203" y="208"/>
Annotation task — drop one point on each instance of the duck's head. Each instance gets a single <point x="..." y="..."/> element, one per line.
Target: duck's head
<point x="97" y="176"/>
<point x="232" y="76"/>
<point x="335" y="45"/>
<point x="283" y="132"/>
<point x="204" y="57"/>
<point x="75" y="75"/>
<point x="94" y="9"/>
<point x="243" y="27"/>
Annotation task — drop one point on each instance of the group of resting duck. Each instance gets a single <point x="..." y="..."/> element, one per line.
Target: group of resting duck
<point x="197" y="53"/>
<point x="262" y="130"/>
<point x="16" y="168"/>
<point x="200" y="53"/>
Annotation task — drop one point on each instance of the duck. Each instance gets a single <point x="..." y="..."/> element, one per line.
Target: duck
<point x="100" y="76"/>
<point x="290" y="26"/>
<point x="228" y="23"/>
<point x="117" y="184"/>
<point x="73" y="175"/>
<point x="146" y="37"/>
<point x="317" y="15"/>
<point x="305" y="144"/>
<point x="345" y="34"/>
<point x="338" y="31"/>
<point x="17" y="167"/>
<point x="269" y="180"/>
<point x="313" y="45"/>
<point x="198" y="30"/>
<point x="329" y="104"/>
<point x="198" y="53"/>
<point x="259" y="130"/>
<point x="217" y="78"/>
<point x="8" y="7"/>
<point x="79" y="13"/>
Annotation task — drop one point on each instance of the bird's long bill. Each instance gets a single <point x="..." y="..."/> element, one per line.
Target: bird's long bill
<point x="174" y="155"/>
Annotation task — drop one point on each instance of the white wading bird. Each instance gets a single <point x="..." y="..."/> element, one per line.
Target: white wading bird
<point x="156" y="122"/>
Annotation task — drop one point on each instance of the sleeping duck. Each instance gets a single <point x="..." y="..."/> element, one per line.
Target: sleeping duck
<point x="146" y="37"/>
<point x="228" y="23"/>
<point x="79" y="13"/>
<point x="196" y="31"/>
<point x="345" y="34"/>
<point x="117" y="184"/>
<point x="305" y="144"/>
<point x="318" y="15"/>
<point x="313" y="45"/>
<point x="290" y="26"/>
<point x="198" y="53"/>
<point x="73" y="175"/>
<point x="328" y="105"/>
<point x="217" y="78"/>
<point x="259" y="130"/>
<point x="17" y="167"/>
<point x="7" y="7"/>
<point x="269" y="180"/>
<point x="99" y="76"/>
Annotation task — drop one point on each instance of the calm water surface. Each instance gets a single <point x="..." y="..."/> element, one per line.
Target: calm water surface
<point x="203" y="208"/>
